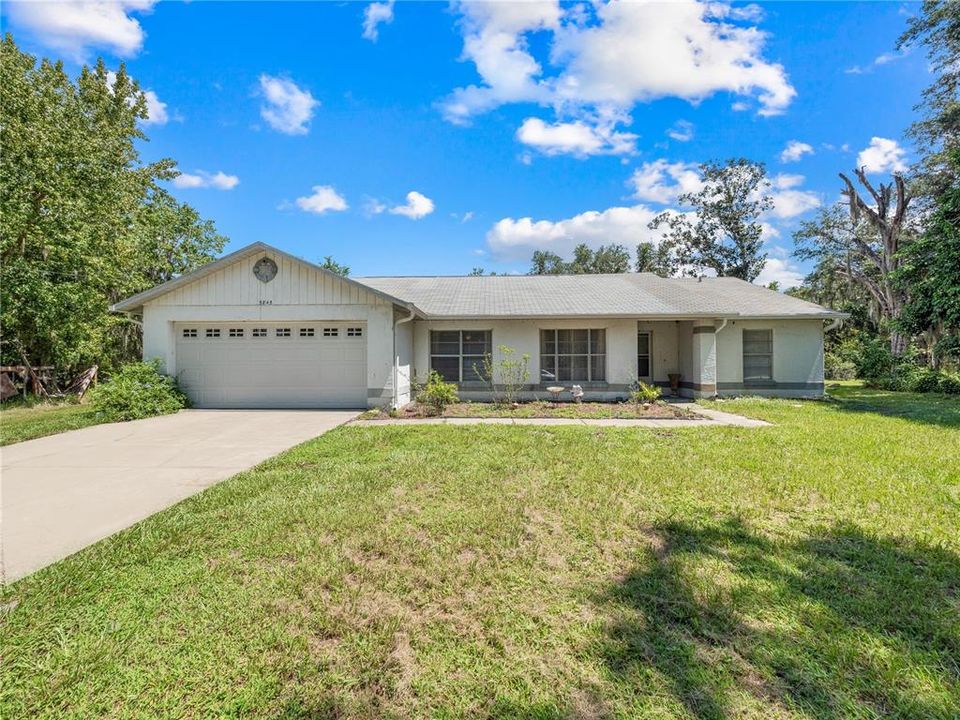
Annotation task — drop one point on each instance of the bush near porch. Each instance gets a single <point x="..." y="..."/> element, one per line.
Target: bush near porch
<point x="806" y="569"/>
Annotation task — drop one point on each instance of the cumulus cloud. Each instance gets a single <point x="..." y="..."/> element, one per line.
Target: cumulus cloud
<point x="795" y="150"/>
<point x="782" y="271"/>
<point x="661" y="181"/>
<point x="685" y="50"/>
<point x="883" y="155"/>
<point x="682" y="131"/>
<point x="575" y="138"/>
<point x="375" y="14"/>
<point x="789" y="200"/>
<point x="417" y="206"/>
<point x="203" y="179"/>
<point x="287" y="108"/>
<point x="324" y="199"/>
<point x="75" y="27"/>
<point x="518" y="238"/>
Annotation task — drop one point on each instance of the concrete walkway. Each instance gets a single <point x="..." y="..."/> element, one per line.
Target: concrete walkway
<point x="708" y="418"/>
<point x="61" y="493"/>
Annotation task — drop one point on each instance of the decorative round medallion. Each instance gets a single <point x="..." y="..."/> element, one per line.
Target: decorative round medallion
<point x="265" y="270"/>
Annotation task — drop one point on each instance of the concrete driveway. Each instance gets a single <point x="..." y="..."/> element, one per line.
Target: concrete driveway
<point x="61" y="493"/>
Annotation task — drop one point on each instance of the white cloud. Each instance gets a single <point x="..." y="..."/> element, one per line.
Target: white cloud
<point x="76" y="26"/>
<point x="575" y="138"/>
<point x="883" y="59"/>
<point x="883" y="155"/>
<point x="682" y="131"/>
<point x="660" y="181"/>
<point x="375" y="14"/>
<point x="324" y="199"/>
<point x="631" y="52"/>
<point x="418" y="206"/>
<point x="795" y="150"/>
<point x="203" y="179"/>
<point x="788" y="200"/>
<point x="156" y="109"/>
<point x="782" y="271"/>
<point x="287" y="107"/>
<point x="517" y="239"/>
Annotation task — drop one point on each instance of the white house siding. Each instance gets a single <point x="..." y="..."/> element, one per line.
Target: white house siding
<point x="797" y="358"/>
<point x="524" y="337"/>
<point x="404" y="358"/>
<point x="298" y="293"/>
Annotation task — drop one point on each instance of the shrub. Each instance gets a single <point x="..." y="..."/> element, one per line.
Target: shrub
<point x="922" y="380"/>
<point x="875" y="360"/>
<point x="949" y="383"/>
<point x="645" y="394"/>
<point x="437" y="393"/>
<point x="512" y="372"/>
<point x="836" y="368"/>
<point x="137" y="390"/>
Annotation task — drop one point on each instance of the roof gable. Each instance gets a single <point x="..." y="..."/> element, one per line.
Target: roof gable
<point x="230" y="281"/>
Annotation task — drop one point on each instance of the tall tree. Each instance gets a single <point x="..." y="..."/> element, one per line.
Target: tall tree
<point x="84" y="221"/>
<point x="723" y="231"/>
<point x="929" y="267"/>
<point x="858" y="244"/>
<point x="605" y="259"/>
<point x="937" y="133"/>
<point x="658" y="259"/>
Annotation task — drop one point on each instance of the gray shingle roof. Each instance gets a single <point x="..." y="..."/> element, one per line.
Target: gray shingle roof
<point x="627" y="294"/>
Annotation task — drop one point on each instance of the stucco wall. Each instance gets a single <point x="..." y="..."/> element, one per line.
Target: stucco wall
<point x="797" y="358"/>
<point x="297" y="293"/>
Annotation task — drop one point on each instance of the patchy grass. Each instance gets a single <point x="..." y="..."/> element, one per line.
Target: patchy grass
<point x="24" y="421"/>
<point x="810" y="569"/>
<point x="540" y="409"/>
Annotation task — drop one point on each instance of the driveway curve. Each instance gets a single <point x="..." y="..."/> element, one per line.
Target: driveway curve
<point x="60" y="493"/>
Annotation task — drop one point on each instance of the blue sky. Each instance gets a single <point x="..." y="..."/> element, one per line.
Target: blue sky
<point x="445" y="137"/>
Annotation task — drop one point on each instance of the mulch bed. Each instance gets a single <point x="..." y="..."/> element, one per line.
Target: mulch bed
<point x="542" y="409"/>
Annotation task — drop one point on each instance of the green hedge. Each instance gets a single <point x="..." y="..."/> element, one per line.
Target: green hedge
<point x="919" y="380"/>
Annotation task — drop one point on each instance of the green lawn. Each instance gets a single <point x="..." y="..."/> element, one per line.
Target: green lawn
<point x="19" y="422"/>
<point x="806" y="570"/>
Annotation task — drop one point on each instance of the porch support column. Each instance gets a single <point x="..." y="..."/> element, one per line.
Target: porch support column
<point x="704" y="379"/>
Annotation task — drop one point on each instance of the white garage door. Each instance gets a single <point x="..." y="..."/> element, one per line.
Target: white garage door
<point x="273" y="365"/>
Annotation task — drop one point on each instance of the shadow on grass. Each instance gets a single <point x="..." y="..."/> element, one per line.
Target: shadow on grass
<point x="932" y="408"/>
<point x="839" y="624"/>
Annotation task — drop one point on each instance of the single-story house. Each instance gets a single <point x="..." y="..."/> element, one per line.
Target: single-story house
<point x="262" y="328"/>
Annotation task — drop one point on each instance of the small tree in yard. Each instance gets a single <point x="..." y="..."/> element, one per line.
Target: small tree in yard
<point x="438" y="393"/>
<point x="512" y="371"/>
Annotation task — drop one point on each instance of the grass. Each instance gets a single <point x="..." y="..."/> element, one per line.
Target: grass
<point x="541" y="409"/>
<point x="21" y="421"/>
<point x="810" y="569"/>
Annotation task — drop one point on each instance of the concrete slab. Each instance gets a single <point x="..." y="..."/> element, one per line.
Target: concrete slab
<point x="60" y="493"/>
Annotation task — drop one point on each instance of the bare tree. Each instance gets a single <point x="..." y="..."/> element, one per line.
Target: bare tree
<point x="887" y="217"/>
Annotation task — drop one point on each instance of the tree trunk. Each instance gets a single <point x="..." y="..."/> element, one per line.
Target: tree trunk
<point x="898" y="343"/>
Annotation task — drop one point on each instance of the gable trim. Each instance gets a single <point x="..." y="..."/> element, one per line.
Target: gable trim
<point x="135" y="302"/>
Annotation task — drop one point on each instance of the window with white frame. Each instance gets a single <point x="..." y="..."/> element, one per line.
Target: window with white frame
<point x="573" y="355"/>
<point x="235" y="332"/>
<point x="331" y="332"/>
<point x="354" y="332"/>
<point x="259" y="332"/>
<point x="189" y="332"/>
<point x="212" y="332"/>
<point x="306" y="332"/>
<point x="457" y="355"/>
<point x="282" y="332"/>
<point x="757" y="355"/>
<point x="644" y="365"/>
